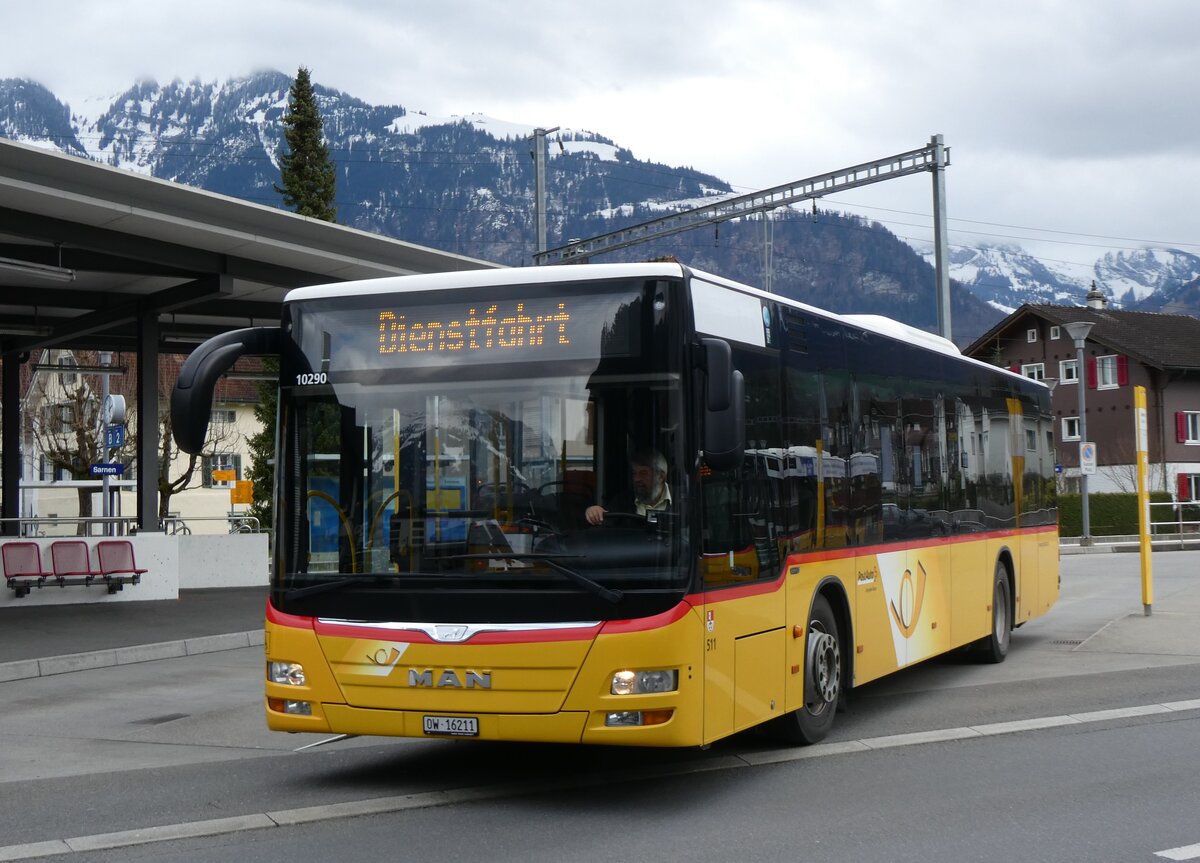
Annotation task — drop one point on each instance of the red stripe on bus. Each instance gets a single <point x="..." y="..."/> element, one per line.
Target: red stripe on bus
<point x="803" y="558"/>
<point x="654" y="621"/>
<point x="279" y="618"/>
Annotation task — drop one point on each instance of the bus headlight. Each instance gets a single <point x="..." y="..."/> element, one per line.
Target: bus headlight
<point x="287" y="673"/>
<point x="295" y="708"/>
<point x="642" y="682"/>
<point x="637" y="718"/>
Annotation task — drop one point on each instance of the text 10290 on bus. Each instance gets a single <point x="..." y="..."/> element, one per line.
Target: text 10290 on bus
<point x="838" y="498"/>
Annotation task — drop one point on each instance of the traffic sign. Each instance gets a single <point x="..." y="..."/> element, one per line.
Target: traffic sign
<point x="110" y="469"/>
<point x="114" y="436"/>
<point x="1087" y="458"/>
<point x="242" y="492"/>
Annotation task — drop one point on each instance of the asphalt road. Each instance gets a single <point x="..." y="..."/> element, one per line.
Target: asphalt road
<point x="1082" y="746"/>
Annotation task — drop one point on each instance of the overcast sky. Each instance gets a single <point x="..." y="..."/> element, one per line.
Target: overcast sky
<point x="1071" y="124"/>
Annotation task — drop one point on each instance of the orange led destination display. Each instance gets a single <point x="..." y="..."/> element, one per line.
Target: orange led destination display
<point x="500" y="328"/>
<point x="431" y="330"/>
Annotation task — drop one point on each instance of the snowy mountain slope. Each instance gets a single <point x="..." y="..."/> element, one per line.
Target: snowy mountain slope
<point x="1005" y="276"/>
<point x="465" y="183"/>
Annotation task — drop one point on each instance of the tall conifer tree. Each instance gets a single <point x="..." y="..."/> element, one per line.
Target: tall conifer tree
<point x="305" y="168"/>
<point x="308" y="179"/>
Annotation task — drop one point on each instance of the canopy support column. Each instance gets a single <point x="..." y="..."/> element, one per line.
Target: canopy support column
<point x="147" y="422"/>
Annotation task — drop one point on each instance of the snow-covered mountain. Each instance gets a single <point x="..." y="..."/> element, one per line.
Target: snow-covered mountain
<point x="1005" y="276"/>
<point x="464" y="183"/>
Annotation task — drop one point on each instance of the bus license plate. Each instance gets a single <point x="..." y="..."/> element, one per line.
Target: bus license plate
<point x="455" y="726"/>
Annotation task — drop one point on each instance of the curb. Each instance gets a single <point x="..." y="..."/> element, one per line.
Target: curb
<point x="25" y="669"/>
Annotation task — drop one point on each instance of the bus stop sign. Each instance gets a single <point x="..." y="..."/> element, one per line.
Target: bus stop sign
<point x="1087" y="458"/>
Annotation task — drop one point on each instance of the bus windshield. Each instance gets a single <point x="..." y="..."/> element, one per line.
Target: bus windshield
<point x="438" y="456"/>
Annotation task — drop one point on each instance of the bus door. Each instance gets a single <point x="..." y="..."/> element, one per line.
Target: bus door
<point x="744" y="644"/>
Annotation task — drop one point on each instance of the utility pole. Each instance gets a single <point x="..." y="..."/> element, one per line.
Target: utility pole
<point x="941" y="242"/>
<point x="1078" y="331"/>
<point x="539" y="193"/>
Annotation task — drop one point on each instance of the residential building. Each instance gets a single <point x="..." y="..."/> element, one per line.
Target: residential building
<point x="1123" y="350"/>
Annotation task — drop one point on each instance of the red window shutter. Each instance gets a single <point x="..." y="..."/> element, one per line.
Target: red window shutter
<point x="1180" y="427"/>
<point x="1183" y="487"/>
<point x="1091" y="373"/>
<point x="1122" y="370"/>
<point x="1015" y="368"/>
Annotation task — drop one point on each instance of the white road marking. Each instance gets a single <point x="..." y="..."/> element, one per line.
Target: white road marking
<point x="425" y="799"/>
<point x="1187" y="852"/>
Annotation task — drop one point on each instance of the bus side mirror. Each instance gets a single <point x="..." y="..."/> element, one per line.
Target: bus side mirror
<point x="191" y="400"/>
<point x="724" y="408"/>
<point x="718" y="362"/>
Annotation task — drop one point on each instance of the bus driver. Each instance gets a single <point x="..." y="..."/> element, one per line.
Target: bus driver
<point x="648" y="490"/>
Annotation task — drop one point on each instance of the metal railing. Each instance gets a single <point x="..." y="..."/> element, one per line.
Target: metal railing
<point x="178" y="525"/>
<point x="1183" y="528"/>
<point x="35" y="526"/>
<point x="54" y="526"/>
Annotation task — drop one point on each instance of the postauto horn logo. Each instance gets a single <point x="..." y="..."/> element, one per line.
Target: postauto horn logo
<point x="906" y="607"/>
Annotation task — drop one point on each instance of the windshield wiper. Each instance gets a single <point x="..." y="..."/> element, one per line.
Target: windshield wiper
<point x="552" y="560"/>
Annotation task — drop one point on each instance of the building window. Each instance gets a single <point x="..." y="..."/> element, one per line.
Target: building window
<point x="1070" y="428"/>
<point x="1106" y="372"/>
<point x="1031" y="334"/>
<point x="1188" y="486"/>
<point x="1031" y="440"/>
<point x="1068" y="371"/>
<point x="221" y="461"/>
<point x="66" y="360"/>
<point x="1187" y="427"/>
<point x="223" y="417"/>
<point x="1037" y="371"/>
<point x="1055" y="333"/>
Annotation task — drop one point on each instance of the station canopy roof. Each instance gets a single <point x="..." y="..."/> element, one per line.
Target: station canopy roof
<point x="85" y="249"/>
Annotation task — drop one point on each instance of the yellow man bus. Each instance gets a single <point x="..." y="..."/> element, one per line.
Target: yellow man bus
<point x="828" y="499"/>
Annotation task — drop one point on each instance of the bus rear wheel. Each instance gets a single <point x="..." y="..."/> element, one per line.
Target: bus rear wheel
<point x="822" y="679"/>
<point x="993" y="647"/>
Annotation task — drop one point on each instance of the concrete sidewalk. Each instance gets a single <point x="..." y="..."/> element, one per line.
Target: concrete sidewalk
<point x="52" y="639"/>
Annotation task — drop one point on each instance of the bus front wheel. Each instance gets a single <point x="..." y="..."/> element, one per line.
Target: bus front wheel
<point x="822" y="678"/>
<point x="993" y="647"/>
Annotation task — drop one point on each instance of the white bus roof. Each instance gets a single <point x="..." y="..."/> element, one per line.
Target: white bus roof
<point x="561" y="273"/>
<point x="485" y="278"/>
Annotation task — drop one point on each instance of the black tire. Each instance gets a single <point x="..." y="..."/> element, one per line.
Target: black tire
<point x="822" y="679"/>
<point x="993" y="647"/>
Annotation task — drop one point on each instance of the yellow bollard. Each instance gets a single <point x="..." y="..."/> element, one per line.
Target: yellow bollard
<point x="1143" y="459"/>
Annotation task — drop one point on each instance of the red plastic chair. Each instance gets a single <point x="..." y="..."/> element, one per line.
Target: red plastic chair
<point x="23" y="566"/>
<point x="70" y="558"/>
<point x="117" y="564"/>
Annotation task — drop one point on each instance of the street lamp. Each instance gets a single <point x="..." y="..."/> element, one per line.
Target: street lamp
<point x="1079" y="332"/>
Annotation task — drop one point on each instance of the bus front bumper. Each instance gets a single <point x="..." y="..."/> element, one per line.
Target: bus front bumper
<point x="561" y="727"/>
